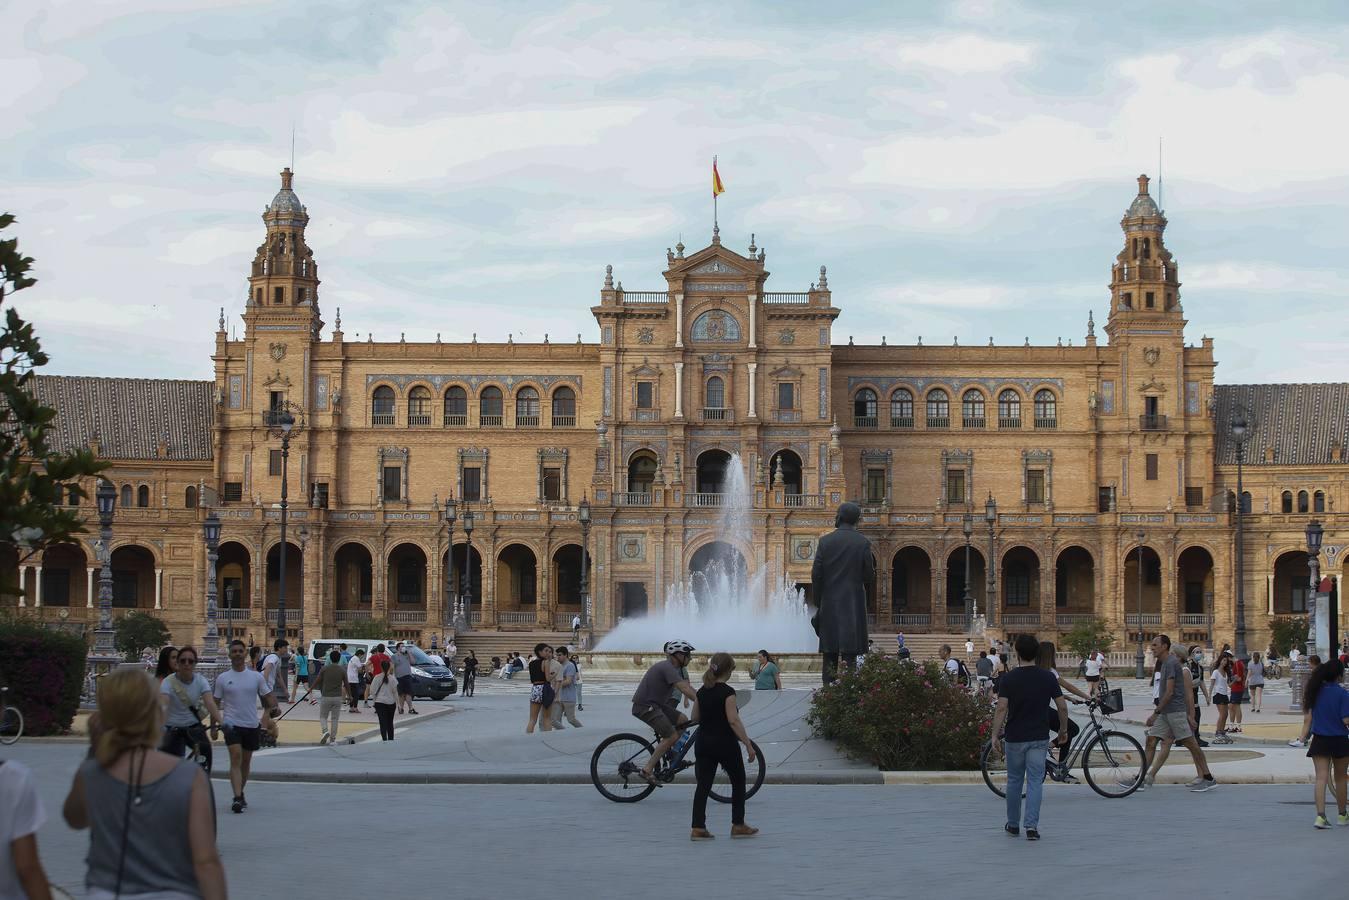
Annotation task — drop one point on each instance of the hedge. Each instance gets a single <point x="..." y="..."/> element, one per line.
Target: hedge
<point x="44" y="671"/>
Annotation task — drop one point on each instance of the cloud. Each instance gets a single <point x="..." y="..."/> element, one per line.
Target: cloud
<point x="964" y="54"/>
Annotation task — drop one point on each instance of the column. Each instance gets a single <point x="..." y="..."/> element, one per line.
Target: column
<point x="679" y="389"/>
<point x="679" y="322"/>
<point x="1270" y="593"/>
<point x="753" y="398"/>
<point x="753" y="317"/>
<point x="489" y="583"/>
<point x="159" y="588"/>
<point x="434" y="601"/>
<point x="939" y="597"/>
<point x="1170" y="603"/>
<point x="23" y="585"/>
<point x="89" y="589"/>
<point x="1048" y="611"/>
<point x="37" y="587"/>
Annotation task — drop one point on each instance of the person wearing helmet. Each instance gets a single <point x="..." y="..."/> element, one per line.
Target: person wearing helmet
<point x="654" y="701"/>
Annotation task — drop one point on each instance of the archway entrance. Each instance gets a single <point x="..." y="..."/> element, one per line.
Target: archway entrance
<point x="1151" y="574"/>
<point x="717" y="571"/>
<point x="462" y="576"/>
<point x="405" y="584"/>
<point x="955" y="580"/>
<point x="294" y="578"/>
<point x="712" y="466"/>
<point x="785" y="468"/>
<point x="64" y="576"/>
<point x="233" y="574"/>
<point x="133" y="578"/>
<point x="567" y="576"/>
<point x="642" y="472"/>
<point x="911" y="587"/>
<point x="517" y="578"/>
<point x="1292" y="587"/>
<point x="353" y="581"/>
<point x="1075" y="583"/>
<point x="1194" y="576"/>
<point x="1021" y="586"/>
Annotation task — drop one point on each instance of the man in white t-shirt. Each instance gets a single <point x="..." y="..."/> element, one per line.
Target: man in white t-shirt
<point x="1094" y="663"/>
<point x="237" y="690"/>
<point x="355" y="682"/>
<point x="948" y="662"/>
<point x="21" y="816"/>
<point x="274" y="668"/>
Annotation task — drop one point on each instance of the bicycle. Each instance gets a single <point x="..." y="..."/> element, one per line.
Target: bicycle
<point x="1112" y="761"/>
<point x="618" y="759"/>
<point x="11" y="721"/>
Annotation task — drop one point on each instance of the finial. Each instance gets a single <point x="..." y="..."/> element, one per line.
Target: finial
<point x="824" y="280"/>
<point x="437" y="337"/>
<point x="286" y="175"/>
<point x="849" y="340"/>
<point x="1143" y="185"/>
<point x="669" y="255"/>
<point x="510" y="338"/>
<point x="338" y="323"/>
<point x="761" y="256"/>
<point x="402" y="337"/>
<point x="620" y="285"/>
<point x="812" y="287"/>
<point x="370" y="338"/>
<point x="990" y="340"/>
<point x="1091" y="324"/>
<point x="679" y="248"/>
<point x="578" y="338"/>
<point x="955" y="341"/>
<point x="752" y="248"/>
<point x="475" y="337"/>
<point x="920" y="340"/>
<point x="716" y="234"/>
<point x="1027" y="344"/>
<point x="882" y="340"/>
<point x="1060" y="342"/>
<point x="221" y="321"/>
<point x="608" y="278"/>
<point x="545" y="337"/>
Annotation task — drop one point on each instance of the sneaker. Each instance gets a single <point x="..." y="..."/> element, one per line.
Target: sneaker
<point x="1297" y="742"/>
<point x="1200" y="785"/>
<point x="1013" y="830"/>
<point x="243" y="801"/>
<point x="1069" y="778"/>
<point x="1202" y="742"/>
<point x="1032" y="834"/>
<point x="238" y="805"/>
<point x="1321" y="822"/>
<point x="324" y="739"/>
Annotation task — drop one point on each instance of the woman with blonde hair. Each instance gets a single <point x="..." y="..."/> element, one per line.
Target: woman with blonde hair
<point x="719" y="730"/>
<point x="149" y="813"/>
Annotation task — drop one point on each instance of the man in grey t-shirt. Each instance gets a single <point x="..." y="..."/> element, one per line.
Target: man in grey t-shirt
<point x="652" y="701"/>
<point x="1174" y="719"/>
<point x="402" y="673"/>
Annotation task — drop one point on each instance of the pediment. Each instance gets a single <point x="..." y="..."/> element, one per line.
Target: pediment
<point x="785" y="372"/>
<point x="1151" y="385"/>
<point x="645" y="370"/>
<point x="715" y="261"/>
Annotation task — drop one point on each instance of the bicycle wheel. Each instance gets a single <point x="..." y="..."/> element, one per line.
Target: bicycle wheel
<point x="994" y="769"/>
<point x="11" y="725"/>
<point x="1114" y="764"/>
<point x="614" y="766"/>
<point x="721" y="785"/>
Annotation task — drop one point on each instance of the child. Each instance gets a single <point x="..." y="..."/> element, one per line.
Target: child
<point x="715" y="745"/>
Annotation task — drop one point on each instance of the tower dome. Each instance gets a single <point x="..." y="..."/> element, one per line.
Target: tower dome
<point x="1143" y="204"/>
<point x="285" y="208"/>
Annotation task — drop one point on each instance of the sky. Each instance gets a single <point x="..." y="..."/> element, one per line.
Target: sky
<point x="960" y="167"/>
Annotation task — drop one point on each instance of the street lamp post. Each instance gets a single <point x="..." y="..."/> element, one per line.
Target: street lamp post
<point x="1303" y="668"/>
<point x="1138" y="577"/>
<point x="286" y="423"/>
<point x="583" y="514"/>
<point x="106" y="498"/>
<point x="210" y="649"/>
<point x="1240" y="430"/>
<point x="451" y="594"/>
<point x="468" y="567"/>
<point x="967" y="525"/>
<point x="991" y="517"/>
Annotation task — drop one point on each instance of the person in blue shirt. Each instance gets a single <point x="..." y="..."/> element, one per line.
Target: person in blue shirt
<point x="1327" y="718"/>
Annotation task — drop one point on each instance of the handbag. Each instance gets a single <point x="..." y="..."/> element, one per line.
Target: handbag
<point x="549" y="695"/>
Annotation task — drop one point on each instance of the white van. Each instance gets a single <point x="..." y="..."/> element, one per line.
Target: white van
<point x="319" y="649"/>
<point x="428" y="678"/>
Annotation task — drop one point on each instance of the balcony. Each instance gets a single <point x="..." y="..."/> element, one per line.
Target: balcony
<point x="407" y="617"/>
<point x="1020" y="618"/>
<point x="715" y="414"/>
<point x="911" y="620"/>
<point x="803" y="501"/>
<point x="1131" y="619"/>
<point x="865" y="422"/>
<point x="935" y="423"/>
<point x="632" y="498"/>
<point x="786" y="298"/>
<point x="1195" y="620"/>
<point x="705" y="500"/>
<point x="957" y="620"/>
<point x="1071" y="620"/>
<point x="456" y="420"/>
<point x="657" y="297"/>
<point x="526" y="421"/>
<point x="974" y="422"/>
<point x="1047" y="424"/>
<point x="237" y="614"/>
<point x="1151" y="423"/>
<point x="517" y="617"/>
<point x="418" y="419"/>
<point x="352" y="615"/>
<point x="1009" y="423"/>
<point x="381" y="418"/>
<point x="475" y="617"/>
<point x="901" y="421"/>
<point x="486" y="421"/>
<point x="564" y="421"/>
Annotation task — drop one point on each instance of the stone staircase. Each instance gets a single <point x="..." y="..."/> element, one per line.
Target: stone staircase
<point x="923" y="646"/>
<point x="487" y="644"/>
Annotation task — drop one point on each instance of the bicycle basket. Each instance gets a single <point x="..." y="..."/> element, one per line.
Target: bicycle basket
<point x="1112" y="701"/>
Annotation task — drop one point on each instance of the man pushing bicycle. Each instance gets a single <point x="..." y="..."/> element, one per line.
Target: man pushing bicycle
<point x="655" y="701"/>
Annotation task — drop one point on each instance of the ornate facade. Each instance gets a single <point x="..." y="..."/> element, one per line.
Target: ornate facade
<point x="1097" y="456"/>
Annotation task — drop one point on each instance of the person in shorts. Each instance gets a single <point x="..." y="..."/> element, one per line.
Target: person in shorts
<point x="237" y="690"/>
<point x="1091" y="671"/>
<point x="1173" y="721"/>
<point x="402" y="673"/>
<point x="652" y="702"/>
<point x="356" y="679"/>
<point x="1326" y="721"/>
<point x="1238" y="695"/>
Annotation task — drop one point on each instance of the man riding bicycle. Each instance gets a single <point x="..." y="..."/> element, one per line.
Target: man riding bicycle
<point x="183" y="694"/>
<point x="656" y="698"/>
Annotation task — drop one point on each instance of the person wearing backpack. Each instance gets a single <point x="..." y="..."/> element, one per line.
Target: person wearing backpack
<point x="954" y="668"/>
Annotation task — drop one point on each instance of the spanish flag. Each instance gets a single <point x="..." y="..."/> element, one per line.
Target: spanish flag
<point x="717" y="186"/>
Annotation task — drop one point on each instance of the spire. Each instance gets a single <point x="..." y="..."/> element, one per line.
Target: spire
<point x="1144" y="278"/>
<point x="284" y="277"/>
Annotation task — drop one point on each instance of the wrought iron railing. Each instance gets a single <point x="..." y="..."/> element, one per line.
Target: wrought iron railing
<point x="419" y="419"/>
<point x="864" y="421"/>
<point x="901" y="421"/>
<point x="1151" y="423"/>
<point x="973" y="422"/>
<point x="456" y="420"/>
<point x="1046" y="423"/>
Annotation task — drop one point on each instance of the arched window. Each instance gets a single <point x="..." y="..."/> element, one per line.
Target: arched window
<point x="641" y="475"/>
<point x="1009" y="409"/>
<point x="1302" y="506"/>
<point x="1231" y="501"/>
<point x="1046" y="409"/>
<point x="972" y="409"/>
<point x="1286" y="502"/>
<point x="715" y="393"/>
<point x="126" y="495"/>
<point x="1319" y="502"/>
<point x="143" y="496"/>
<point x="938" y="409"/>
<point x="1246" y="502"/>
<point x="382" y="406"/>
<point x="864" y="408"/>
<point x="419" y="406"/>
<point x="901" y="409"/>
<point x="456" y="406"/>
<point x="490" y="406"/>
<point x="190" y="498"/>
<point x="527" y="408"/>
<point x="564" y="408"/>
<point x="72" y="498"/>
<point x="57" y="495"/>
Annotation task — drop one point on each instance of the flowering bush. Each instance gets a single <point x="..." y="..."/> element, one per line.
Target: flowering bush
<point x="44" y="671"/>
<point x="900" y="715"/>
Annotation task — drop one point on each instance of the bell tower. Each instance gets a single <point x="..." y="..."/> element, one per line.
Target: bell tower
<point x="283" y="284"/>
<point x="1144" y="283"/>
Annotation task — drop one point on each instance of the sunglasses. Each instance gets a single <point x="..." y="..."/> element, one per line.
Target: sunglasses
<point x="186" y="662"/>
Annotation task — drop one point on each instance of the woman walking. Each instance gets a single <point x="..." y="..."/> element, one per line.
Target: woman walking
<point x="167" y="665"/>
<point x="1220" y="689"/>
<point x="470" y="674"/>
<point x="766" y="675"/>
<point x="541" y="693"/>
<point x="717" y="744"/>
<point x="384" y="694"/>
<point x="149" y="813"/>
<point x="1255" y="682"/>
<point x="1327" y="719"/>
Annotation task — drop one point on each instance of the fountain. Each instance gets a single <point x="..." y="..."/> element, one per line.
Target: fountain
<point x="722" y="605"/>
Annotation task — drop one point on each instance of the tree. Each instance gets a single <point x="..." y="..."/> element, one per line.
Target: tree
<point x="33" y="477"/>
<point x="1285" y="632"/>
<point x="137" y="630"/>
<point x="367" y="629"/>
<point x="1093" y="634"/>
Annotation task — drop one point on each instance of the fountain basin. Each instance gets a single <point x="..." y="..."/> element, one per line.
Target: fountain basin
<point x="638" y="661"/>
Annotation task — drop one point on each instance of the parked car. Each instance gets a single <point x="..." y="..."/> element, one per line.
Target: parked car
<point x="429" y="678"/>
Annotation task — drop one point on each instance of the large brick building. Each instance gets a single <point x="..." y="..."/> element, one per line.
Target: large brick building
<point x="1084" y="449"/>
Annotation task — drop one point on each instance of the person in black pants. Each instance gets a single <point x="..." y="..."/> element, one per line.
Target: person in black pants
<point x="720" y="733"/>
<point x="384" y="694"/>
<point x="470" y="674"/>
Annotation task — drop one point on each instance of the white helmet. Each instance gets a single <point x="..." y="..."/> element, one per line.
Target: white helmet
<point x="672" y="647"/>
